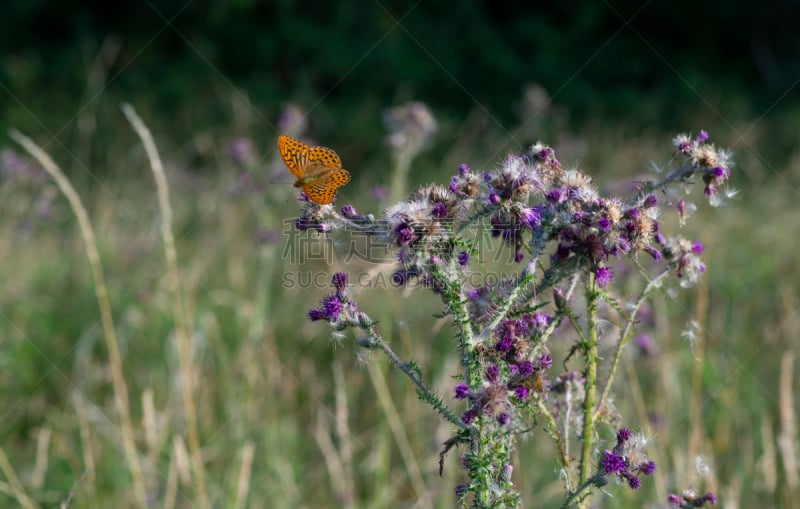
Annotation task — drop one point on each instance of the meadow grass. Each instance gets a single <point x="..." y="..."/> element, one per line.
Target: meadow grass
<point x="108" y="366"/>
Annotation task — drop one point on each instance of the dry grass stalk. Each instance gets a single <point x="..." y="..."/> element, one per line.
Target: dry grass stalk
<point x="109" y="332"/>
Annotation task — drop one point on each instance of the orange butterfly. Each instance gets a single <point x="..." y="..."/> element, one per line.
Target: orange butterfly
<point x="318" y="169"/>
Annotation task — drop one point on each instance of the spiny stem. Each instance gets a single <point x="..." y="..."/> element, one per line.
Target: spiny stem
<point x="624" y="335"/>
<point x="554" y="432"/>
<point x="676" y="174"/>
<point x="525" y="277"/>
<point x="579" y="492"/>
<point x="590" y="383"/>
<point x="424" y="390"/>
<point x="461" y="319"/>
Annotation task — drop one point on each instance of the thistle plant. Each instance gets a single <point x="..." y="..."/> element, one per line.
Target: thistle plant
<point x="566" y="244"/>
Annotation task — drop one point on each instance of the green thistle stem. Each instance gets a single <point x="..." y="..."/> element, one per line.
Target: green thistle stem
<point x="423" y="390"/>
<point x="581" y="492"/>
<point x="625" y="335"/>
<point x="590" y="384"/>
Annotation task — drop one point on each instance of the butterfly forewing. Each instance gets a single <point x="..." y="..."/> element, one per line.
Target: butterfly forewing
<point x="294" y="154"/>
<point x="324" y="157"/>
<point x="339" y="178"/>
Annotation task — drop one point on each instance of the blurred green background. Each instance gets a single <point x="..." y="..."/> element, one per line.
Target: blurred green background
<point x="285" y="417"/>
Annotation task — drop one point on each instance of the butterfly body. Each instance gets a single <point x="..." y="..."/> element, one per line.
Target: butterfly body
<point x="318" y="170"/>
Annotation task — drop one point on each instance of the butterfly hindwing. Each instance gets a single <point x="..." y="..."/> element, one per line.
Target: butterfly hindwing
<point x="320" y="192"/>
<point x="323" y="188"/>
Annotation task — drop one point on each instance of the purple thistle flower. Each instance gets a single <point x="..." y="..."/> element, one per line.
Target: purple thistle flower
<point x="541" y="319"/>
<point x="525" y="369"/>
<point x="554" y="195"/>
<point x="612" y="463"/>
<point x="697" y="247"/>
<point x="400" y="277"/>
<point x="633" y="482"/>
<point x="316" y="314"/>
<point x="544" y="361"/>
<point x="332" y="307"/>
<point x="492" y="372"/>
<point x="439" y="210"/>
<point x="518" y="255"/>
<point x="339" y="281"/>
<point x="544" y="154"/>
<point x="682" y="144"/>
<point x="507" y="330"/>
<point x="530" y="217"/>
<point x="653" y="252"/>
<point x="462" y="489"/>
<point x="469" y="416"/>
<point x="623" y="435"/>
<point x="647" y="468"/>
<point x="463" y="169"/>
<point x="622" y="245"/>
<point x="604" y="224"/>
<point x="674" y="499"/>
<point x="701" y="136"/>
<point x="453" y="184"/>
<point x="404" y="233"/>
<point x="463" y="258"/>
<point x="349" y="212"/>
<point x="503" y="418"/>
<point x="603" y="276"/>
<point x="461" y="391"/>
<point x="521" y="392"/>
<point x="633" y="213"/>
<point x="650" y="201"/>
<point x="690" y="499"/>
<point x="494" y="199"/>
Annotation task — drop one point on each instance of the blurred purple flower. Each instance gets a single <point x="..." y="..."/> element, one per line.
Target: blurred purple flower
<point x="242" y="151"/>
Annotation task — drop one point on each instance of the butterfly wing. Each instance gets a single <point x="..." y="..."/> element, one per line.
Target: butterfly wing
<point x="322" y="189"/>
<point x="323" y="156"/>
<point x="295" y="155"/>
